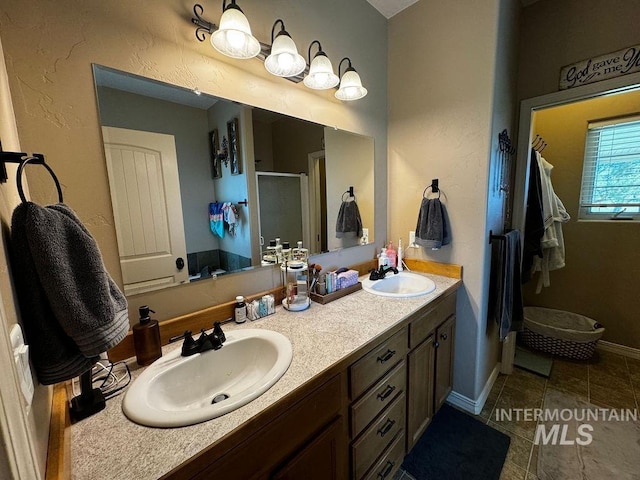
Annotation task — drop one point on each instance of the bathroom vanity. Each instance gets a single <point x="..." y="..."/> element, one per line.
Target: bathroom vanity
<point x="367" y="375"/>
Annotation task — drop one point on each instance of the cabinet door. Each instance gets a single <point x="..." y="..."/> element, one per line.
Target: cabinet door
<point x="420" y="388"/>
<point x="322" y="459"/>
<point x="444" y="361"/>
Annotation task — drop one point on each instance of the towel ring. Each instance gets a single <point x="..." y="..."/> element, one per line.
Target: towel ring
<point x="430" y="187"/>
<point x="348" y="195"/>
<point x="19" y="178"/>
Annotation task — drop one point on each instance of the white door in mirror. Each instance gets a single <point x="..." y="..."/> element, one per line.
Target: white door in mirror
<point x="145" y="192"/>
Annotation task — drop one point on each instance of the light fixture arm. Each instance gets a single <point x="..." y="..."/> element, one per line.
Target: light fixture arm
<point x="319" y="52"/>
<point x="281" y="32"/>
<point x="348" y="68"/>
<point x="203" y="25"/>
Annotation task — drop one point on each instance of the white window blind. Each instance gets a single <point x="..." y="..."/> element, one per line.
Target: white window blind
<point x="611" y="173"/>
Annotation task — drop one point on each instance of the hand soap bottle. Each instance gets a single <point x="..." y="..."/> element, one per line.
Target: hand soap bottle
<point x="391" y="253"/>
<point x="146" y="338"/>
<point x="383" y="259"/>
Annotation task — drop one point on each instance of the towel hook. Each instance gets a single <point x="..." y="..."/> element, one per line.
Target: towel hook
<point x="40" y="162"/>
<point x="349" y="193"/>
<point x="434" y="188"/>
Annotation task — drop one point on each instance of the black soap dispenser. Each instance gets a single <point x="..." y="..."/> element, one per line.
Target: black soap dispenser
<point x="146" y="338"/>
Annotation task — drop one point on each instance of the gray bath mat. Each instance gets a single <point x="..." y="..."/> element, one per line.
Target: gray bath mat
<point x="533" y="362"/>
<point x="613" y="452"/>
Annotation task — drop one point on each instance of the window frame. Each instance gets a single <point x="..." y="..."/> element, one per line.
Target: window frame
<point x="585" y="202"/>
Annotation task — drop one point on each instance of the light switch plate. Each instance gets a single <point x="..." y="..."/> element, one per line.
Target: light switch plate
<point x="21" y="359"/>
<point x="412" y="239"/>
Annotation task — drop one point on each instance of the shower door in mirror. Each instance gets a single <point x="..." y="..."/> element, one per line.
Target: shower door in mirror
<point x="283" y="207"/>
<point x="143" y="178"/>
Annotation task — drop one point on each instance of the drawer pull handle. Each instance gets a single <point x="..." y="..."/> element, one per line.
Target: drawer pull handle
<point x="436" y="345"/>
<point x="443" y="336"/>
<point x="387" y="356"/>
<point x="387" y="470"/>
<point x="387" y="391"/>
<point x="387" y="426"/>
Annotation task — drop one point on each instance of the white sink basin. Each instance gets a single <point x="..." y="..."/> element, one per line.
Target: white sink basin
<point x="403" y="284"/>
<point x="176" y="391"/>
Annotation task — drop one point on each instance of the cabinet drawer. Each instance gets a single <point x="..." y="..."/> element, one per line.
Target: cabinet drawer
<point x="377" y="362"/>
<point x="378" y="436"/>
<point x="377" y="398"/>
<point x="422" y="327"/>
<point x="390" y="462"/>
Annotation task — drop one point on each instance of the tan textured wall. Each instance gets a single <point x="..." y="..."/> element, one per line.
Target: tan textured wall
<point x="52" y="87"/>
<point x="558" y="33"/>
<point x="602" y="272"/>
<point x="37" y="420"/>
<point x="442" y="71"/>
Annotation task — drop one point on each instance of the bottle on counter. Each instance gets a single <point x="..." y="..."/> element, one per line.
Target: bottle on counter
<point x="146" y="338"/>
<point x="392" y="254"/>
<point x="240" y="310"/>
<point x="383" y="259"/>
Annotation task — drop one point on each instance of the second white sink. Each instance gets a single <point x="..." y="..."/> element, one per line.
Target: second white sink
<point x="176" y="391"/>
<point x="403" y="284"/>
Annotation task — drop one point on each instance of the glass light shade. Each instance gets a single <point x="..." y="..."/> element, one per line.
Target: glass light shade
<point x="321" y="76"/>
<point x="350" y="87"/>
<point x="284" y="61"/>
<point x="234" y="38"/>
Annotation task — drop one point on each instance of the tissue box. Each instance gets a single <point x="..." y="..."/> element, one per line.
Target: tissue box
<point x="347" y="279"/>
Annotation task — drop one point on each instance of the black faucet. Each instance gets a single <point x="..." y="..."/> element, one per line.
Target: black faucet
<point x="213" y="341"/>
<point x="381" y="272"/>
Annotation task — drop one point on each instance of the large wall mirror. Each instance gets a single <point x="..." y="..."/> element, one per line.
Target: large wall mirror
<point x="200" y="185"/>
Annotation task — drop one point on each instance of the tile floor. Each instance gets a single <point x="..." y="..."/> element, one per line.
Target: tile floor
<point x="607" y="380"/>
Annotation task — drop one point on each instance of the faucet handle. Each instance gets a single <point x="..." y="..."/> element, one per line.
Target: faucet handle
<point x="189" y="347"/>
<point x="218" y="333"/>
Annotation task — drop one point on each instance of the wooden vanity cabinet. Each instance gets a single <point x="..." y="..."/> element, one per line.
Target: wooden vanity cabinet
<point x="430" y="365"/>
<point x="377" y="386"/>
<point x="308" y="440"/>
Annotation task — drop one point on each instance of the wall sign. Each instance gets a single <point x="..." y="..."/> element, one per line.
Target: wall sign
<point x="600" y="68"/>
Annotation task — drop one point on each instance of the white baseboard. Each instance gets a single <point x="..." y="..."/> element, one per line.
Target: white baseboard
<point x="475" y="406"/>
<point x="619" y="349"/>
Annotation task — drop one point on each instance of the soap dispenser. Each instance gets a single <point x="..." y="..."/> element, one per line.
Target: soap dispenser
<point x="383" y="259"/>
<point x="146" y="338"/>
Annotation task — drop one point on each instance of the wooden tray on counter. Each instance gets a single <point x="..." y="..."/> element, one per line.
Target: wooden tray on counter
<point x="330" y="297"/>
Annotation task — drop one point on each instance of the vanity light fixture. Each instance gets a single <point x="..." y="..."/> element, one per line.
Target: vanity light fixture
<point x="320" y="76"/>
<point x="350" y="84"/>
<point x="233" y="37"/>
<point x="284" y="59"/>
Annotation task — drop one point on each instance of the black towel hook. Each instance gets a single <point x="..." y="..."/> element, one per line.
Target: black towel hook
<point x="40" y="162"/>
<point x="349" y="194"/>
<point x="434" y="188"/>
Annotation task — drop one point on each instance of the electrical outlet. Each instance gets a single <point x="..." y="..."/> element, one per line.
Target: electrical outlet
<point x="412" y="239"/>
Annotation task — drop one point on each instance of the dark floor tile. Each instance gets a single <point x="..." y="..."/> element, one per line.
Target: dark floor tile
<point x="519" y="448"/>
<point x="617" y="383"/>
<point x="517" y="396"/>
<point x="568" y="368"/>
<point x="511" y="471"/>
<point x="525" y="381"/>
<point x="606" y="397"/>
<point x="533" y="464"/>
<point x="569" y="384"/>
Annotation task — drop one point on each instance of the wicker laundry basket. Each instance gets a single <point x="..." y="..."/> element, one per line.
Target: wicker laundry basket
<point x="561" y="333"/>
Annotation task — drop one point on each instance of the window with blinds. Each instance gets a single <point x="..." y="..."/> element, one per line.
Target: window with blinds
<point x="611" y="173"/>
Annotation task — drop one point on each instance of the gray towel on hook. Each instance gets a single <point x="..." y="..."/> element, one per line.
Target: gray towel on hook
<point x="71" y="308"/>
<point x="505" y="285"/>
<point x="349" y="223"/>
<point x="432" y="230"/>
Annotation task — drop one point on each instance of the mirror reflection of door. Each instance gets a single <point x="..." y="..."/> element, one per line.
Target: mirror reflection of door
<point x="283" y="207"/>
<point x="145" y="194"/>
<point x="317" y="200"/>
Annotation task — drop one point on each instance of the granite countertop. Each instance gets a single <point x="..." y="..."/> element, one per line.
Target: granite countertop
<point x="108" y="445"/>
